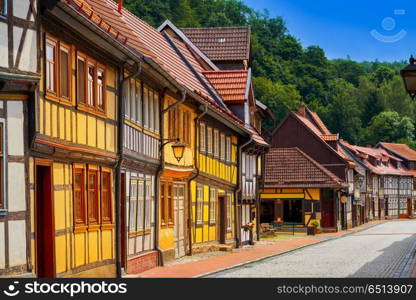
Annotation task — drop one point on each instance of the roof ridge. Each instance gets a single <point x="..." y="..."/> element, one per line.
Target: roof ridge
<point x="219" y="27"/>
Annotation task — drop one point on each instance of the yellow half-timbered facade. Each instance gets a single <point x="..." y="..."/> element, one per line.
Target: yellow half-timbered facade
<point x="213" y="191"/>
<point x="74" y="148"/>
<point x="178" y="123"/>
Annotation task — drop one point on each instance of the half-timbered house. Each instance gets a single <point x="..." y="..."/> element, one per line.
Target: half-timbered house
<point x="296" y="189"/>
<point x="19" y="76"/>
<point x="74" y="142"/>
<point x="389" y="182"/>
<point x="229" y="49"/>
<point x="408" y="157"/>
<point x="306" y="131"/>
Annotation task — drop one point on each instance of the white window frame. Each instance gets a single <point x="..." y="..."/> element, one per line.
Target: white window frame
<point x="213" y="205"/>
<point x="3" y="210"/>
<point x="228" y="147"/>
<point x="151" y="110"/>
<point x="222" y="146"/>
<point x="209" y="140"/>
<point x="145" y="106"/>
<point x="202" y="137"/>
<point x="216" y="143"/>
<point x="199" y="205"/>
<point x="156" y="110"/>
<point x="229" y="212"/>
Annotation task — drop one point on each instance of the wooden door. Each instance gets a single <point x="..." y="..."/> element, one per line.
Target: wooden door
<point x="179" y="215"/>
<point x="327" y="213"/>
<point x="222" y="218"/>
<point x="409" y="207"/>
<point x="45" y="229"/>
<point x="123" y="221"/>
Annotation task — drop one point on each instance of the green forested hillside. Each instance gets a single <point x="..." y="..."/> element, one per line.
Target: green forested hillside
<point x="365" y="102"/>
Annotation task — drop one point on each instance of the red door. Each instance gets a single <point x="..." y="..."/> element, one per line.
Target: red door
<point x="222" y="218"/>
<point x="327" y="213"/>
<point x="45" y="232"/>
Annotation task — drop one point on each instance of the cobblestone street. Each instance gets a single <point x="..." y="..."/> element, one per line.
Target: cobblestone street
<point x="386" y="250"/>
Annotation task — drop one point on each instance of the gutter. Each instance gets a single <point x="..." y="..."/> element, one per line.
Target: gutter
<point x="238" y="191"/>
<point x="162" y="167"/>
<point x="122" y="80"/>
<point x="194" y="176"/>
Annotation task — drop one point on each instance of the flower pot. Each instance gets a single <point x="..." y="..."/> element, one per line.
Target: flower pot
<point x="311" y="230"/>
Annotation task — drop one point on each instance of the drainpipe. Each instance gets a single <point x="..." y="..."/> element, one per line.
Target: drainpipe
<point x="162" y="167"/>
<point x="237" y="193"/>
<point x="194" y="176"/>
<point x="122" y="80"/>
<point x="258" y="198"/>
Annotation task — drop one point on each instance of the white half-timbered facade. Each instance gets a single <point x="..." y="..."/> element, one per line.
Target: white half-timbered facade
<point x="19" y="73"/>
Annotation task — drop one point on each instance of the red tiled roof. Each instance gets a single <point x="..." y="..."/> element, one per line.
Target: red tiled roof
<point x="148" y="41"/>
<point x="257" y="138"/>
<point x="291" y="167"/>
<point x="400" y="149"/>
<point x="231" y="85"/>
<point x="384" y="165"/>
<point x="221" y="43"/>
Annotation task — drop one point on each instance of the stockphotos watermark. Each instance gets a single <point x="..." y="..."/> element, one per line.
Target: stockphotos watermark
<point x="70" y="289"/>
<point x="389" y="25"/>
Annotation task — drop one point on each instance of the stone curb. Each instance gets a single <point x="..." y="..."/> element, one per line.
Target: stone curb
<point x="285" y="252"/>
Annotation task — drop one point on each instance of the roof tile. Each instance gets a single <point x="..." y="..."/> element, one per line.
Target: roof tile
<point x="292" y="167"/>
<point x="221" y="43"/>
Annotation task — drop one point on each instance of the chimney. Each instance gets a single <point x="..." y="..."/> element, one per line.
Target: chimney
<point x="120" y="6"/>
<point x="302" y="110"/>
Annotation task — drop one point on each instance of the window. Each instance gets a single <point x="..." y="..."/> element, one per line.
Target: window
<point x="150" y="113"/>
<point x="133" y="206"/>
<point x="139" y="109"/>
<point x="156" y="111"/>
<point x="79" y="198"/>
<point x="57" y="70"/>
<point x="179" y="124"/>
<point x="106" y="213"/>
<point x="92" y="197"/>
<point x="202" y="140"/>
<point x="216" y="143"/>
<point x="147" y="213"/>
<point x="229" y="210"/>
<point x="169" y="205"/>
<point x="64" y="72"/>
<point x="91" y="84"/>
<point x="166" y="199"/>
<point x="222" y="147"/>
<point x="209" y="140"/>
<point x="199" y="204"/>
<point x="51" y="66"/>
<point x="228" y="149"/>
<point x="146" y="107"/>
<point x="140" y="205"/>
<point x="2" y="202"/>
<point x="81" y="70"/>
<point x="212" y="206"/>
<point x="100" y="89"/>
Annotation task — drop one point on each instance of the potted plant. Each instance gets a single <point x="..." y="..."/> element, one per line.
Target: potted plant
<point x="312" y="228"/>
<point x="249" y="227"/>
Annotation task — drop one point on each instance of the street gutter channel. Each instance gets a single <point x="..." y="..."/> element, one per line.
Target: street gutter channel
<point x="324" y="239"/>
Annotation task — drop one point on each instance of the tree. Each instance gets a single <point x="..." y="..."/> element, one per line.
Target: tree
<point x="342" y="114"/>
<point x="388" y="126"/>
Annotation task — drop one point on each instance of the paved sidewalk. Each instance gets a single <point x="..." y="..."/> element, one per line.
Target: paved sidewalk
<point x="244" y="256"/>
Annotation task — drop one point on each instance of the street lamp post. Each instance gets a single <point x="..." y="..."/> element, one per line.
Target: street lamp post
<point x="409" y="77"/>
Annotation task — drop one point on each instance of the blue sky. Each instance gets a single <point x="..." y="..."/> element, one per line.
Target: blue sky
<point x="364" y="30"/>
